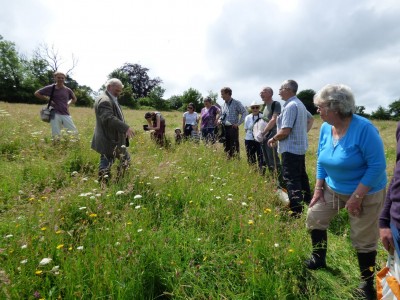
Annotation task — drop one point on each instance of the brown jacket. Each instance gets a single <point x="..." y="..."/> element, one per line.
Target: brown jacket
<point x="110" y="131"/>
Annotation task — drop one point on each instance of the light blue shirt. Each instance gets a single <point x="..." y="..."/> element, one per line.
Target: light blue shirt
<point x="358" y="157"/>
<point x="294" y="115"/>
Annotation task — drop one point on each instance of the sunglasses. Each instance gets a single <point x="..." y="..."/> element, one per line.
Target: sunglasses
<point x="255" y="107"/>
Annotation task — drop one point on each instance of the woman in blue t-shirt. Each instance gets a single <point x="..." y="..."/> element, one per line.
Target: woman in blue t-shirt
<point x="351" y="174"/>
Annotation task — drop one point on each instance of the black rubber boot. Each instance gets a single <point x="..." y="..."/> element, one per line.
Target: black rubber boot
<point x="366" y="289"/>
<point x="319" y="239"/>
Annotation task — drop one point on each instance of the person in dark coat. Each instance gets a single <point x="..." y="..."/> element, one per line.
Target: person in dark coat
<point x="111" y="134"/>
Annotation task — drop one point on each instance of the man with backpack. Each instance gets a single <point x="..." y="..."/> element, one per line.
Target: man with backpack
<point x="272" y="110"/>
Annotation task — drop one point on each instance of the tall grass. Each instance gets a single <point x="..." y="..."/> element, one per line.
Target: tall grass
<point x="184" y="223"/>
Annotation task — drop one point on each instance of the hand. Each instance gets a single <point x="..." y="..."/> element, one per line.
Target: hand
<point x="271" y="143"/>
<point x="318" y="196"/>
<point x="353" y="206"/>
<point x="130" y="133"/>
<point x="387" y="239"/>
<point x="235" y="125"/>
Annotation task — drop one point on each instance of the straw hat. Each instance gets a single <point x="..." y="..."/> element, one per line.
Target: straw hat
<point x="256" y="103"/>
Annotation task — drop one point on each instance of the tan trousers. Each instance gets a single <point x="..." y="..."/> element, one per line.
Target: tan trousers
<point x="364" y="231"/>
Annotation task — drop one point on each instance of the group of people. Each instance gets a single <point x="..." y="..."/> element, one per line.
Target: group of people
<point x="350" y="171"/>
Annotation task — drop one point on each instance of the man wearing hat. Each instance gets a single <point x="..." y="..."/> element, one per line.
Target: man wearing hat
<point x="61" y="98"/>
<point x="253" y="148"/>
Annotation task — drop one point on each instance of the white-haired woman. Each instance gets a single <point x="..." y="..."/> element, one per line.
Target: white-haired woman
<point x="351" y="174"/>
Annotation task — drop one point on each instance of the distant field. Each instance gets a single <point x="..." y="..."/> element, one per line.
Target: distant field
<point x="184" y="223"/>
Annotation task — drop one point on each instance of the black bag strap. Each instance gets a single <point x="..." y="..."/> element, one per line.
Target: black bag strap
<point x="51" y="95"/>
<point x="273" y="108"/>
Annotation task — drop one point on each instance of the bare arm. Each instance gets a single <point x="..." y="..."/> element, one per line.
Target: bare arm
<point x="280" y="135"/>
<point x="72" y="100"/>
<point x="40" y="96"/>
<point x="310" y="122"/>
<point x="158" y="119"/>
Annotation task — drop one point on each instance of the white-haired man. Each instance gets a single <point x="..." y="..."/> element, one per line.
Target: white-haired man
<point x="111" y="134"/>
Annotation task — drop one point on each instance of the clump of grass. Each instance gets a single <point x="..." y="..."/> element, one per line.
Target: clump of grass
<point x="184" y="223"/>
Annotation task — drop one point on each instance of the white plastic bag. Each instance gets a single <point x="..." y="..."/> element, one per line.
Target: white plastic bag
<point x="387" y="279"/>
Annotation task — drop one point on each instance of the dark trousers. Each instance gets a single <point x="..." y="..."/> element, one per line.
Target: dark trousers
<point x="296" y="178"/>
<point x="254" y="153"/>
<point x="231" y="144"/>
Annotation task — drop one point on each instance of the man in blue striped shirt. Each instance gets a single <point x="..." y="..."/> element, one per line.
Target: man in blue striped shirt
<point x="230" y="118"/>
<point x="293" y="124"/>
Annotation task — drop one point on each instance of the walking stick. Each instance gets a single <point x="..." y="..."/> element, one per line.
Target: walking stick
<point x="282" y="193"/>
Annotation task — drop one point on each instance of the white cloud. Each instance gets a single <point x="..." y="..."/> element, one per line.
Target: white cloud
<point x="209" y="44"/>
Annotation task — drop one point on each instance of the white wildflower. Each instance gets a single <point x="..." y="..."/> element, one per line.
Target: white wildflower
<point x="244" y="204"/>
<point x="9" y="236"/>
<point x="140" y="230"/>
<point x="45" y="261"/>
<point x="137" y="197"/>
<point x="137" y="206"/>
<point x="23" y="261"/>
<point x="79" y="248"/>
<point x="276" y="245"/>
<point x="119" y="193"/>
<point x="24" y="246"/>
<point x="82" y="208"/>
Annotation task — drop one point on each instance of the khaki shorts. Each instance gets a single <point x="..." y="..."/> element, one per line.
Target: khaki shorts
<point x="364" y="230"/>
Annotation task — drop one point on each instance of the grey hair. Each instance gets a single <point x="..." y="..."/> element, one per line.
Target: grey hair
<point x="114" y="81"/>
<point x="291" y="85"/>
<point x="337" y="97"/>
<point x="269" y="90"/>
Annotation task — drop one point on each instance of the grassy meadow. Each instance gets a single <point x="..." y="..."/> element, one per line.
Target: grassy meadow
<point x="184" y="223"/>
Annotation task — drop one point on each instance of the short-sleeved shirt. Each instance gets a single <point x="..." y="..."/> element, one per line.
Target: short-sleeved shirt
<point x="60" y="98"/>
<point x="190" y="118"/>
<point x="267" y="113"/>
<point x="208" y="116"/>
<point x="232" y="110"/>
<point x="248" y="125"/>
<point x="294" y="115"/>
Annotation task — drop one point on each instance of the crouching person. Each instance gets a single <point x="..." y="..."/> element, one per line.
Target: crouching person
<point x="111" y="134"/>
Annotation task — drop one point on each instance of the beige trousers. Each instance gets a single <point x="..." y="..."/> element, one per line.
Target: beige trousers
<point x="364" y="230"/>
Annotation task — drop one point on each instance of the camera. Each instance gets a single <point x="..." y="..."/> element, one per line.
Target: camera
<point x="146" y="127"/>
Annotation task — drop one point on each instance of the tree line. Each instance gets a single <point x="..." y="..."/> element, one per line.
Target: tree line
<point x="21" y="76"/>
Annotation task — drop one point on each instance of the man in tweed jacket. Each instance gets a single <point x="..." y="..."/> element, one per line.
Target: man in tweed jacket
<point x="111" y="134"/>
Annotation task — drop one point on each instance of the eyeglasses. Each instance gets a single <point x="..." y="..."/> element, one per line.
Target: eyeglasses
<point x="321" y="107"/>
<point x="255" y="107"/>
<point x="190" y="107"/>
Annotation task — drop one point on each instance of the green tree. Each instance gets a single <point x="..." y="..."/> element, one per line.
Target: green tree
<point x="307" y="97"/>
<point x="127" y="97"/>
<point x="136" y="76"/>
<point x="156" y="96"/>
<point x="394" y="110"/>
<point x="175" y="102"/>
<point x="11" y="72"/>
<point x="381" y="114"/>
<point x="84" y="95"/>
<point x="360" y="110"/>
<point x="192" y="96"/>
